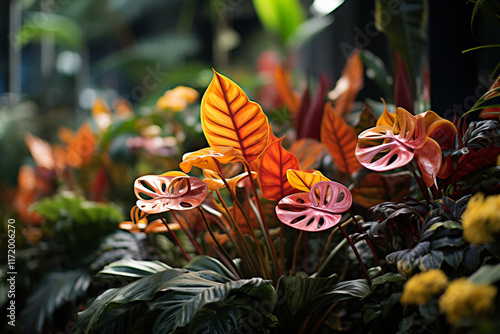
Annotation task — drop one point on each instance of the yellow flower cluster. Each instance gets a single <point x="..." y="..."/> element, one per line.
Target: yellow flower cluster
<point x="423" y="286"/>
<point x="177" y="99"/>
<point x="465" y="299"/>
<point x="481" y="219"/>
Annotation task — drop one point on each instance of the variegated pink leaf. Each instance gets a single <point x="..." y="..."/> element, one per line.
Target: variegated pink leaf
<point x="379" y="149"/>
<point x="159" y="193"/>
<point x="317" y="210"/>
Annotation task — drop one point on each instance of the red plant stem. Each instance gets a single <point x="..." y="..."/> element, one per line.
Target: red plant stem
<point x="268" y="236"/>
<point x="292" y="270"/>
<point x="263" y="264"/>
<point x="188" y="233"/>
<point x="367" y="241"/>
<point x="245" y="247"/>
<point x="422" y="187"/>
<point x="323" y="255"/>
<point x="164" y="221"/>
<point x="228" y="257"/>
<point x="355" y="252"/>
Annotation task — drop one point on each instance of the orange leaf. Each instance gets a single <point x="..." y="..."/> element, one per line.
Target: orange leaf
<point x="349" y="84"/>
<point x="304" y="180"/>
<point x="340" y="140"/>
<point x="309" y="151"/>
<point x="290" y="97"/>
<point x="123" y="108"/>
<point x="376" y="188"/>
<point x="81" y="148"/>
<point x="228" y="118"/>
<point x="274" y="163"/>
<point x="214" y="181"/>
<point x="440" y="129"/>
<point x="387" y="117"/>
<point x="205" y="158"/>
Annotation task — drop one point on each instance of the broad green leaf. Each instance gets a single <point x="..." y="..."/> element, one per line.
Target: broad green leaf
<point x="303" y="296"/>
<point x="404" y="23"/>
<point x="228" y="118"/>
<point x="281" y="17"/>
<point x="56" y="289"/>
<point x="376" y="71"/>
<point x="487" y="274"/>
<point x="133" y="268"/>
<point x="39" y="24"/>
<point x="204" y="262"/>
<point x="307" y="30"/>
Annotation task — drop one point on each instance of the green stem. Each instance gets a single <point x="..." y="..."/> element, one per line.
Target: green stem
<point x="218" y="244"/>
<point x="164" y="221"/>
<point x="263" y="263"/>
<point x="292" y="270"/>
<point x="269" y="244"/>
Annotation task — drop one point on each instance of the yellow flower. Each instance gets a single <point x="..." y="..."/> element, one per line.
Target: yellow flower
<point x="177" y="99"/>
<point x="423" y="286"/>
<point x="481" y="219"/>
<point x="465" y="299"/>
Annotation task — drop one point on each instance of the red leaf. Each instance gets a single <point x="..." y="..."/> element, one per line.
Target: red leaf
<point x="339" y="139"/>
<point x="403" y="95"/>
<point x="274" y="163"/>
<point x="376" y="188"/>
<point x="310" y="124"/>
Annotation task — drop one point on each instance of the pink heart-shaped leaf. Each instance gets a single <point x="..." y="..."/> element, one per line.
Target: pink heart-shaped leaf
<point x="160" y="193"/>
<point x="317" y="210"/>
<point x="380" y="150"/>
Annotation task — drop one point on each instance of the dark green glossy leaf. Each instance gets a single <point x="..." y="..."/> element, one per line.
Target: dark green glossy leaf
<point x="432" y="260"/>
<point x="303" y="296"/>
<point x="133" y="268"/>
<point x="389" y="277"/>
<point x="429" y="310"/>
<point x="404" y="22"/>
<point x="376" y="71"/>
<point x="203" y="262"/>
<point x="370" y="314"/>
<point x="56" y="289"/>
<point x="453" y="257"/>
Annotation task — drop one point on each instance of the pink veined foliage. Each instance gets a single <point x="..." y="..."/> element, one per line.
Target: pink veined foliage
<point x="384" y="148"/>
<point x="160" y="193"/>
<point x="318" y="210"/>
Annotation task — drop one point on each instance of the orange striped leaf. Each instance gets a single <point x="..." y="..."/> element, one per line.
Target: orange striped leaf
<point x="340" y="140"/>
<point x="304" y="180"/>
<point x="274" y="163"/>
<point x="228" y="118"/>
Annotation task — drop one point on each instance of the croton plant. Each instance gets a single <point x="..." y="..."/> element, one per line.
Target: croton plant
<point x="257" y="225"/>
